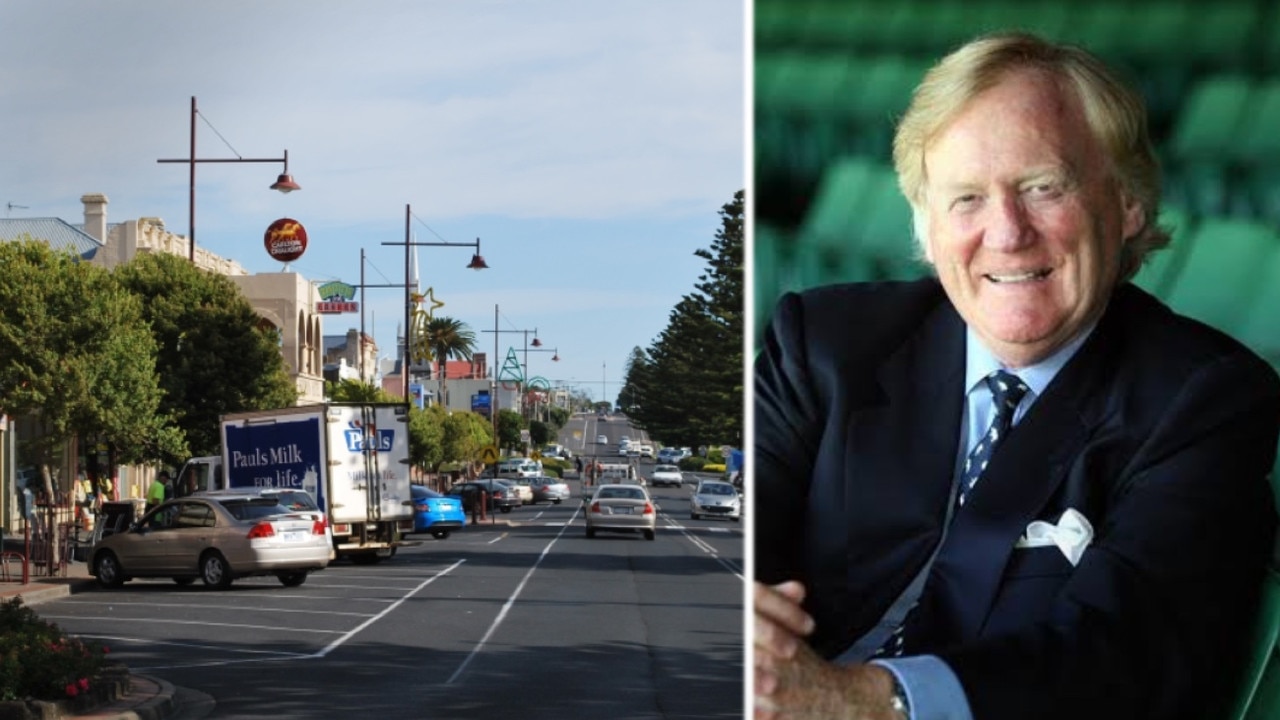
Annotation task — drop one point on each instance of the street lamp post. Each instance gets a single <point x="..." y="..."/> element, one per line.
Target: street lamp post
<point x="284" y="183"/>
<point x="477" y="263"/>
<point x="362" y="286"/>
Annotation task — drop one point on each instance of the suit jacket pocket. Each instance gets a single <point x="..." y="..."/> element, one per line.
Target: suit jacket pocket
<point x="1031" y="581"/>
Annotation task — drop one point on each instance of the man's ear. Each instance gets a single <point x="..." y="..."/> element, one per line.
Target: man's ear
<point x="1135" y="216"/>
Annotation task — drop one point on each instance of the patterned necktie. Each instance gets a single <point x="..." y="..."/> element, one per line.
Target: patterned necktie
<point x="1006" y="392"/>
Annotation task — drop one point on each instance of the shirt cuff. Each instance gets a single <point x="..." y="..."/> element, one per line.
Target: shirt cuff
<point x="933" y="691"/>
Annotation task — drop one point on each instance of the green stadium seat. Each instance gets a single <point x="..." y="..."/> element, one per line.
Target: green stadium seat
<point x="1161" y="268"/>
<point x="827" y="245"/>
<point x="1224" y="272"/>
<point x="1260" y="326"/>
<point x="885" y="232"/>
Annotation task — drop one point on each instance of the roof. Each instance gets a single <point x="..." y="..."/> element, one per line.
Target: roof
<point x="60" y="234"/>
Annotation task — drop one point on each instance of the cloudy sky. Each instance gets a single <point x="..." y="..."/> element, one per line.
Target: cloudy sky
<point x="589" y="145"/>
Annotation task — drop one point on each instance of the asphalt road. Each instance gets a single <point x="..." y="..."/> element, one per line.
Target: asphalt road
<point x="531" y="621"/>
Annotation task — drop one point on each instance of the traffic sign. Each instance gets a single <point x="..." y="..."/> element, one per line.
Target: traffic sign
<point x="489" y="454"/>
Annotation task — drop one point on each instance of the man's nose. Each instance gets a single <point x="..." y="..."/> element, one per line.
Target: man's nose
<point x="1008" y="227"/>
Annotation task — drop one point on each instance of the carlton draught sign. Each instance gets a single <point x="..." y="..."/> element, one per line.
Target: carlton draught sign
<point x="285" y="240"/>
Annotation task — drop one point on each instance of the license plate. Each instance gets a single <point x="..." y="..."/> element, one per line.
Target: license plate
<point x="622" y="511"/>
<point x="293" y="536"/>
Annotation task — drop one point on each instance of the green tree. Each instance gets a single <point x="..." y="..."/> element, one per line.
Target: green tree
<point x="449" y="338"/>
<point x="79" y="358"/>
<point x="215" y="354"/>
<point x="688" y="386"/>
<point x="539" y="433"/>
<point x="349" y="390"/>
<point x="558" y="417"/>
<point x="510" y="423"/>
<point x="465" y="433"/>
<point x="426" y="437"/>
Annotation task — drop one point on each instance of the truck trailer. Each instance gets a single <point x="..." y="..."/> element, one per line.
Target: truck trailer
<point x="352" y="457"/>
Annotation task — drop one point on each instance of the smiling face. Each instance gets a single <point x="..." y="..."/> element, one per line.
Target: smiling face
<point x="1024" y="221"/>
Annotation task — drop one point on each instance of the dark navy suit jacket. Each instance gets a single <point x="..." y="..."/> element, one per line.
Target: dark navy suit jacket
<point x="1160" y="430"/>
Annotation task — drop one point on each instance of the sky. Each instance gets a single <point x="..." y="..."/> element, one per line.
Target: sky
<point x="589" y="146"/>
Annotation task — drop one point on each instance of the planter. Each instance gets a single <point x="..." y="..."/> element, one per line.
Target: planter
<point x="107" y="686"/>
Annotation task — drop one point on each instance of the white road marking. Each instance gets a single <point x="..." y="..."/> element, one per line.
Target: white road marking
<point x="502" y="614"/>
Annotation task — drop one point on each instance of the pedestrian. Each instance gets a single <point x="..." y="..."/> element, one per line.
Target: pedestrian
<point x="578" y="463"/>
<point x="1022" y="487"/>
<point x="161" y="489"/>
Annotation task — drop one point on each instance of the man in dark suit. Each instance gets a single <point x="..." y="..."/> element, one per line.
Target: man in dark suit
<point x="1024" y="489"/>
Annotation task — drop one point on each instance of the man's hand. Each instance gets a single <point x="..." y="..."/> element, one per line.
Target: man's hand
<point x="793" y="683"/>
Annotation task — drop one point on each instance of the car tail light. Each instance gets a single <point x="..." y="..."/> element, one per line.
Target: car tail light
<point x="648" y="508"/>
<point x="424" y="507"/>
<point x="318" y="527"/>
<point x="261" y="530"/>
<point x="595" y="507"/>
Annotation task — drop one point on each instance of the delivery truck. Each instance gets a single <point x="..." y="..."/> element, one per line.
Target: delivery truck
<point x="352" y="457"/>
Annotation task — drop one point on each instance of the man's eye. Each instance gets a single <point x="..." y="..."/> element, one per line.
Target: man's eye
<point x="964" y="202"/>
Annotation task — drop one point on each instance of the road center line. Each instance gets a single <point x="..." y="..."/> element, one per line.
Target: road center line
<point x="502" y="614"/>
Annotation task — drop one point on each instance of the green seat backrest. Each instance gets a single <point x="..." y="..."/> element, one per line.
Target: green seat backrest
<point x="1210" y="119"/>
<point x="1259" y="696"/>
<point x="1224" y="272"/>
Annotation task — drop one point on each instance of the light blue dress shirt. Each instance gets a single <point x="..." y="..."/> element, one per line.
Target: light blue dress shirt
<point x="932" y="690"/>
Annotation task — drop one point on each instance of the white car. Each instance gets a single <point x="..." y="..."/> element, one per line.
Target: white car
<point x="646" y="451"/>
<point x="622" y="508"/>
<point x="715" y="498"/>
<point x="602" y="439"/>
<point x="666" y="475"/>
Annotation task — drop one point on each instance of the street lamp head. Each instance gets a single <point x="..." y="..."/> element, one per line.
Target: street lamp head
<point x="556" y="357"/>
<point x="477" y="263"/>
<point x="536" y="342"/>
<point x="285" y="184"/>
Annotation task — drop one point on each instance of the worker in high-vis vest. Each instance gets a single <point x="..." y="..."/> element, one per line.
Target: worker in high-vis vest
<point x="159" y="490"/>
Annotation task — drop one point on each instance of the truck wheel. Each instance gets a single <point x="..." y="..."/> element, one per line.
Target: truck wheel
<point x="506" y="508"/>
<point x="365" y="558"/>
<point x="591" y="532"/>
<point x="110" y="573"/>
<point x="649" y="535"/>
<point x="556" y="501"/>
<point x="214" y="571"/>
<point x="291" y="579"/>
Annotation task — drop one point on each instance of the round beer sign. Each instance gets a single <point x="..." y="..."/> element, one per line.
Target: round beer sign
<point x="285" y="239"/>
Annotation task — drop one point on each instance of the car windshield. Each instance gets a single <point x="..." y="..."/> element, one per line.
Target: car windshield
<point x="666" y="468"/>
<point x="612" y="493"/>
<point x="420" y="491"/>
<point x="717" y="489"/>
<point x="254" y="508"/>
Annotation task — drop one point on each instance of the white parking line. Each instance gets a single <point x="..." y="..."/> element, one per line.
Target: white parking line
<point x="354" y="631"/>
<point x="708" y="549"/>
<point x="232" y="608"/>
<point x="502" y="614"/>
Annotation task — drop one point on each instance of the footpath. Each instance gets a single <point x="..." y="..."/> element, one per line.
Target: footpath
<point x="148" y="698"/>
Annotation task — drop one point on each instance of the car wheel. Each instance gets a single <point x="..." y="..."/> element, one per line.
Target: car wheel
<point x="555" y="502"/>
<point x="440" y="534"/>
<point x="214" y="571"/>
<point x="291" y="579"/>
<point x="735" y="518"/>
<point x="694" y="516"/>
<point x="506" y="508"/>
<point x="110" y="573"/>
<point x="184" y="580"/>
<point x="591" y="532"/>
<point x="649" y="534"/>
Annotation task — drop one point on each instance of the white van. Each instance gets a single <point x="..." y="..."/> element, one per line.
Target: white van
<point x="519" y="467"/>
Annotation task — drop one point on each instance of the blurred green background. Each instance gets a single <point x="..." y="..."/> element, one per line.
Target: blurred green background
<point x="832" y="76"/>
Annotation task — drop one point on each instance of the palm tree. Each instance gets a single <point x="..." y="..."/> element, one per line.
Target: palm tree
<point x="449" y="338"/>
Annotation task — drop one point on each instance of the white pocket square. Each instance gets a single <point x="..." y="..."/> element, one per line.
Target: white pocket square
<point x="1072" y="535"/>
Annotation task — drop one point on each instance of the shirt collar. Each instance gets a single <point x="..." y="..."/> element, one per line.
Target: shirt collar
<point x="981" y="362"/>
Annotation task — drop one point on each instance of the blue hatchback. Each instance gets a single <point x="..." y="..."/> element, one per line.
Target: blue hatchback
<point x="435" y="513"/>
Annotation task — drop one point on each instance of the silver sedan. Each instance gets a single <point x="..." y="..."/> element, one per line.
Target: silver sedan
<point x="216" y="540"/>
<point x="623" y="508"/>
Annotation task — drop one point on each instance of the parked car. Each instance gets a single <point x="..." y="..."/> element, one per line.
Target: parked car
<point x="436" y="513"/>
<point x="523" y="486"/>
<point x="557" y="451"/>
<point x="715" y="498"/>
<point x="216" y="538"/>
<point x="519" y="467"/>
<point x="500" y="495"/>
<point x="669" y="455"/>
<point x="293" y="500"/>
<point x="666" y="475"/>
<point x="646" y="451"/>
<point x="621" y="508"/>
<point x="549" y="488"/>
<point x="602" y="439"/>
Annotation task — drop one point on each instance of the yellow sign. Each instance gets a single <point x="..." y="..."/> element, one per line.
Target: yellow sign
<point x="535" y="455"/>
<point x="488" y="454"/>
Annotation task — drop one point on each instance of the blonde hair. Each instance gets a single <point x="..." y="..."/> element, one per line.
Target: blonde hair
<point x="1115" y="113"/>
